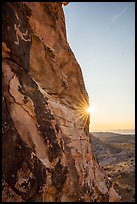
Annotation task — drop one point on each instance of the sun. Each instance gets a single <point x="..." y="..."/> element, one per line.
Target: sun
<point x="90" y="109"/>
<point x="83" y="110"/>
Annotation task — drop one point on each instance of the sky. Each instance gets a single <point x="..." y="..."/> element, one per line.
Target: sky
<point x="102" y="37"/>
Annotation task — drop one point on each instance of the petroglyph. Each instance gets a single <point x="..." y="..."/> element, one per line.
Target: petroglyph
<point x="21" y="35"/>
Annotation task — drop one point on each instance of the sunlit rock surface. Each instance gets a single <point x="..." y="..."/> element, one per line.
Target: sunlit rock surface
<point x="46" y="149"/>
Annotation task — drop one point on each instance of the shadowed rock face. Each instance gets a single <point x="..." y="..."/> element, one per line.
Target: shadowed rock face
<point x="46" y="149"/>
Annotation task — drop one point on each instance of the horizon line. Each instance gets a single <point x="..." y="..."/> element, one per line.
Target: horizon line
<point x="119" y="131"/>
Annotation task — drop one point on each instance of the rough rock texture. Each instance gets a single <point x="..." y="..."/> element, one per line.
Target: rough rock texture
<point x="46" y="152"/>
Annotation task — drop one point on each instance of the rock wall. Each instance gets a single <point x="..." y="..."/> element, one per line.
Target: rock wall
<point x="46" y="152"/>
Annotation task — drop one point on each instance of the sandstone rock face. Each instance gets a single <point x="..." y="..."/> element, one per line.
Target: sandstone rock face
<point x="46" y="150"/>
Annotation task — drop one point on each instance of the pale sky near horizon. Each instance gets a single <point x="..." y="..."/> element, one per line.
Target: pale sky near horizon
<point x="102" y="37"/>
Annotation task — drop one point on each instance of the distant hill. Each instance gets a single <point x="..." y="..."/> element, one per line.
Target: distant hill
<point x="116" y="154"/>
<point x="120" y="131"/>
<point x="111" y="137"/>
<point x="123" y="131"/>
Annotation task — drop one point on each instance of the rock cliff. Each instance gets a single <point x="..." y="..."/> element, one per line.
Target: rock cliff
<point x="46" y="151"/>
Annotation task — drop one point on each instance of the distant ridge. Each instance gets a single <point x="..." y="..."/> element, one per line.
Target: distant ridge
<point x="118" y="131"/>
<point x="123" y="131"/>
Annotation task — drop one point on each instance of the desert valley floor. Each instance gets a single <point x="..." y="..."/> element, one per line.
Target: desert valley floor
<point x="116" y="155"/>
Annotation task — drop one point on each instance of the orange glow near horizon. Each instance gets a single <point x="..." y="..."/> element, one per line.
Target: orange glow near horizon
<point x="110" y="119"/>
<point x="110" y="126"/>
<point x="100" y="120"/>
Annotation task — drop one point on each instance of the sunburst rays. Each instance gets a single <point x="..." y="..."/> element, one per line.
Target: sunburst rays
<point x="82" y="112"/>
